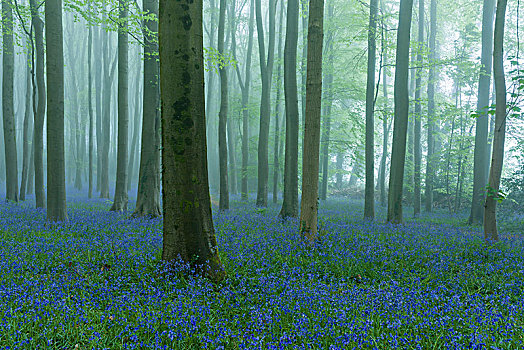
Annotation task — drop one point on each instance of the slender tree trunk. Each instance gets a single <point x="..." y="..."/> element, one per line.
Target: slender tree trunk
<point x="369" y="199"/>
<point x="276" y="148"/>
<point x="497" y="158"/>
<point x="309" y="203"/>
<point x="136" y="124"/>
<point x="56" y="190"/>
<point x="31" y="174"/>
<point x="430" y="166"/>
<point x="120" y="201"/>
<point x="90" y="110"/>
<point x="98" y="106"/>
<point x="418" y="113"/>
<point x="480" y="160"/>
<point x="11" y="166"/>
<point x="222" y="116"/>
<point x="385" y="128"/>
<point x="39" y="116"/>
<point x="148" y="196"/>
<point x="266" y="70"/>
<point x="340" y="169"/>
<point x="398" y="153"/>
<point x="27" y="131"/>
<point x="188" y="226"/>
<point x="290" y="202"/>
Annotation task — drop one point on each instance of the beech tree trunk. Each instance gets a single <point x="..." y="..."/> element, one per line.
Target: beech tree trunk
<point x="90" y="111"/>
<point x="369" y="198"/>
<point x="497" y="158"/>
<point x="309" y="203"/>
<point x="189" y="234"/>
<point x="26" y="131"/>
<point x="56" y="189"/>
<point x="276" y="148"/>
<point x="120" y="201"/>
<point x="417" y="149"/>
<point x="290" y="202"/>
<point x="136" y="123"/>
<point x="398" y="153"/>
<point x="222" y="115"/>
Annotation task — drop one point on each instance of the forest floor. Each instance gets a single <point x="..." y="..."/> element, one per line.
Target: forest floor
<point x="428" y="284"/>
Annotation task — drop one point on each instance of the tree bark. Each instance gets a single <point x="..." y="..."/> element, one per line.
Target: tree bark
<point x="369" y="197"/>
<point x="222" y="115"/>
<point x="26" y="131"/>
<point x="309" y="203"/>
<point x="497" y="158"/>
<point x="56" y="190"/>
<point x="417" y="149"/>
<point x="276" y="148"/>
<point x="398" y="153"/>
<point x="148" y="195"/>
<point x="290" y="202"/>
<point x="11" y="166"/>
<point x="136" y="124"/>
<point x="480" y="160"/>
<point x="120" y="201"/>
<point x="385" y="113"/>
<point x="90" y="110"/>
<point x="188" y="226"/>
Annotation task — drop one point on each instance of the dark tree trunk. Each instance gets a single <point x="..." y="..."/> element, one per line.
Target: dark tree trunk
<point x="11" y="166"/>
<point x="417" y="149"/>
<point x="398" y="153"/>
<point x="276" y="148"/>
<point x="290" y="202"/>
<point x="497" y="158"/>
<point x="188" y="226"/>
<point x="480" y="160"/>
<point x="27" y="132"/>
<point x="120" y="201"/>
<point x="309" y="203"/>
<point x="369" y="198"/>
<point x="148" y="196"/>
<point x="222" y="116"/>
<point x="266" y="70"/>
<point x="56" y="190"/>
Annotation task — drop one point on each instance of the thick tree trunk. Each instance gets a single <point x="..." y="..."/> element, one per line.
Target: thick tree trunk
<point x="398" y="153"/>
<point x="309" y="203"/>
<point x="290" y="202"/>
<point x="39" y="116"/>
<point x="11" y="166"/>
<point x="27" y="132"/>
<point x="222" y="115"/>
<point x="369" y="198"/>
<point x="56" y="190"/>
<point x="430" y="166"/>
<point x="148" y="196"/>
<point x="266" y="70"/>
<point x="497" y="158"/>
<point x="188" y="226"/>
<point x="481" y="155"/>
<point x="417" y="149"/>
<point x="120" y="201"/>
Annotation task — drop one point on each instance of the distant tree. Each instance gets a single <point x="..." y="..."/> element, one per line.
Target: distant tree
<point x="222" y="115"/>
<point x="497" y="158"/>
<point x="188" y="226"/>
<point x="56" y="191"/>
<point x="290" y="202"/>
<point x="309" y="203"/>
<point x="11" y="167"/>
<point x="148" y="196"/>
<point x="481" y="122"/>
<point x="90" y="109"/>
<point x="26" y="153"/>
<point x="276" y="150"/>
<point x="120" y="201"/>
<point x="417" y="149"/>
<point x="398" y="153"/>
<point x="369" y="199"/>
<point x="266" y="72"/>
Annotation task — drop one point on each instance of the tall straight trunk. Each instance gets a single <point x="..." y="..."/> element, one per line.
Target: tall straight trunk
<point x="290" y="202"/>
<point x="369" y="198"/>
<point x="417" y="149"/>
<point x="27" y="131"/>
<point x="188" y="225"/>
<point x="276" y="148"/>
<point x="222" y="115"/>
<point x="98" y="107"/>
<point x="480" y="160"/>
<point x="340" y="169"/>
<point x="232" y="172"/>
<point x="409" y="183"/>
<point x="31" y="174"/>
<point x="136" y="125"/>
<point x="385" y="128"/>
<point x="120" y="201"/>
<point x="56" y="189"/>
<point x="39" y="116"/>
<point x="497" y="158"/>
<point x="398" y="153"/>
<point x="303" y="61"/>
<point x="8" y="62"/>
<point x="148" y="195"/>
<point x="266" y="72"/>
<point x="90" y="110"/>
<point x="328" y="102"/>
<point x="309" y="203"/>
<point x="430" y="166"/>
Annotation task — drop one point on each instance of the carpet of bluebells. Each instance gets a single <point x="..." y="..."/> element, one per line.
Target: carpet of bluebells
<point x="95" y="283"/>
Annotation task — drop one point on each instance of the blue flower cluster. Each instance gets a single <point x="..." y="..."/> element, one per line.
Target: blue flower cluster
<point x="96" y="282"/>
